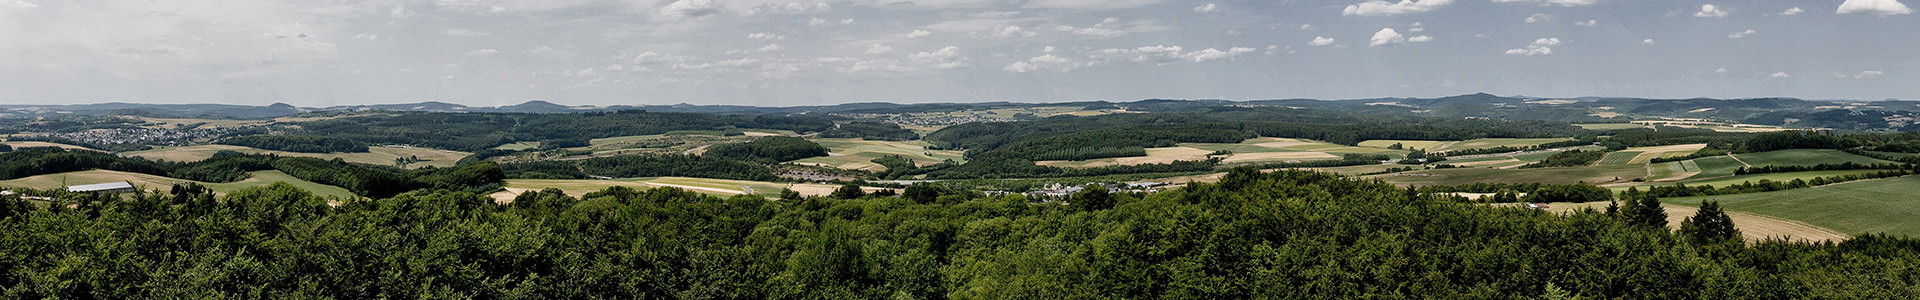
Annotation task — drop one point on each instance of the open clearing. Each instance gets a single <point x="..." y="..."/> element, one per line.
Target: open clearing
<point x="1871" y="206"/>
<point x="163" y="183"/>
<point x="1154" y="156"/>
<point x="858" y="154"/>
<point x="1445" y="146"/>
<point x="1753" y="227"/>
<point x="374" y="156"/>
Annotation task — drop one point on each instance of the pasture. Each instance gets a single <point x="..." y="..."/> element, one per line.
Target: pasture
<point x="858" y="154"/>
<point x="1871" y="206"/>
<point x="383" y="156"/>
<point x="1257" y="150"/>
<point x="1643" y="155"/>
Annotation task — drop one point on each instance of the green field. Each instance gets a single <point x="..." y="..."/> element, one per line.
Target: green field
<point x="1805" y="157"/>
<point x="858" y="154"/>
<point x="1590" y="175"/>
<point x="1872" y="206"/>
<point x="163" y="183"/>
<point x="1619" y="158"/>
<point x="374" y="156"/>
<point x="266" y="178"/>
<point x="1444" y="146"/>
<point x="1731" y="180"/>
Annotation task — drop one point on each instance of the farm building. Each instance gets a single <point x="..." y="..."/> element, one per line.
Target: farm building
<point x="103" y="188"/>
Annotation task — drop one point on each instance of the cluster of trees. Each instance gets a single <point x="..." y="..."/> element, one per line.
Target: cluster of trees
<point x="1349" y="159"/>
<point x="1086" y="153"/>
<point x="30" y="161"/>
<point x="872" y="131"/>
<point x="473" y="132"/>
<point x="6" y="148"/>
<point x="1819" y="167"/>
<point x="772" y="149"/>
<point x="227" y="166"/>
<point x="1294" y="235"/>
<point x="1572" y="158"/>
<point x="1767" y="185"/>
<point x="1533" y="192"/>
<point x="362" y="179"/>
<point x="298" y="143"/>
<point x="645" y="165"/>
<point x="1796" y="139"/>
<point x="998" y="167"/>
<point x="1583" y="141"/>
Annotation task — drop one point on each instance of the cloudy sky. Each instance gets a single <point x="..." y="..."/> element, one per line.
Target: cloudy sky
<point x="799" y="52"/>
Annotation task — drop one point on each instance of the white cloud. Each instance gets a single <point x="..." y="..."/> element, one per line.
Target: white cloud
<point x="765" y="36"/>
<point x="690" y="9"/>
<point x="919" y="33"/>
<point x="1710" y="11"/>
<point x="1536" y="18"/>
<point x="1014" y="31"/>
<point x="1384" y="8"/>
<point x="1587" y="23"/>
<point x="1874" y="7"/>
<point x="1742" y="34"/>
<point x="1047" y="62"/>
<point x="787" y="8"/>
<point x="1206" y="8"/>
<point x="1552" y="2"/>
<point x="1780" y="75"/>
<point x="1793" y="11"/>
<point x="847" y="21"/>
<point x="1321" y="41"/>
<point x="1720" y="71"/>
<point x="1089" y="4"/>
<point x="816" y="22"/>
<point x="466" y="32"/>
<point x="1542" y="46"/>
<point x="483" y="52"/>
<point x="1211" y="54"/>
<point x="17" y="4"/>
<point x="1386" y="37"/>
<point x="1420" y="39"/>
<point x="879" y="49"/>
<point x="772" y="48"/>
<point x="945" y="58"/>
<point x="1649" y="41"/>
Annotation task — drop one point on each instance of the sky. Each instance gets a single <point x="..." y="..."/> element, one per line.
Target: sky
<point x="317" y="53"/>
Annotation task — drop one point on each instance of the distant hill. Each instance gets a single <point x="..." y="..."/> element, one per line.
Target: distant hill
<point x="1839" y="114"/>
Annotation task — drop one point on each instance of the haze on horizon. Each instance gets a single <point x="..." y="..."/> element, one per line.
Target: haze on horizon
<point x="803" y="52"/>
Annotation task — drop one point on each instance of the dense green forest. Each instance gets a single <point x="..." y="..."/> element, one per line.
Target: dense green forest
<point x="767" y="150"/>
<point x="473" y="132"/>
<point x="873" y="131"/>
<point x="1282" y="235"/>
<point x="298" y="143"/>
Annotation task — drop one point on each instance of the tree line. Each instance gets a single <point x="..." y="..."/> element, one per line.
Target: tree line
<point x="472" y="132"/>
<point x="298" y="143"/>
<point x="872" y="131"/>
